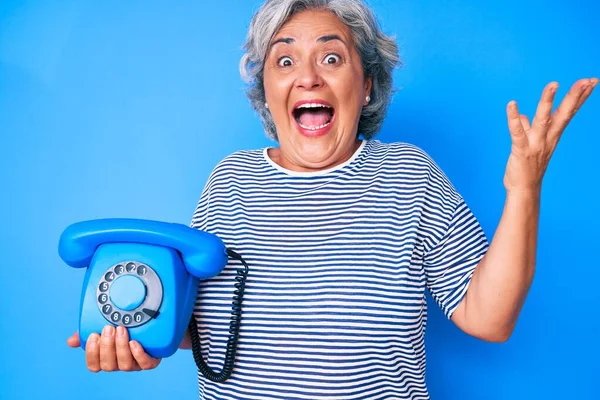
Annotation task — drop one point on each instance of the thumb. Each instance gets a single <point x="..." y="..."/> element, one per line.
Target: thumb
<point x="515" y="125"/>
<point x="74" y="341"/>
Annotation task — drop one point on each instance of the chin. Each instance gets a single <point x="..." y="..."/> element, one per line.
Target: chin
<point x="318" y="152"/>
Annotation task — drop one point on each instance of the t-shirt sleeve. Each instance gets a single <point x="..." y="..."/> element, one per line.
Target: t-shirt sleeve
<point x="218" y="180"/>
<point x="200" y="217"/>
<point x="454" y="242"/>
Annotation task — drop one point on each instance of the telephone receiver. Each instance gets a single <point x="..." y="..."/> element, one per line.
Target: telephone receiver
<point x="144" y="275"/>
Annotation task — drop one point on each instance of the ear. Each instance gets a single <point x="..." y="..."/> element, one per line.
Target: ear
<point x="368" y="87"/>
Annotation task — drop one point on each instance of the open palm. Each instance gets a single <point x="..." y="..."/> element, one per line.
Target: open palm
<point x="534" y="144"/>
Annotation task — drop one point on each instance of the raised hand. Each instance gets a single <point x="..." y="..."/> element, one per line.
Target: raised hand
<point x="534" y="144"/>
<point x="113" y="351"/>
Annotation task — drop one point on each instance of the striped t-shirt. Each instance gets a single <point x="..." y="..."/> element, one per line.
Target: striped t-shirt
<point x="339" y="263"/>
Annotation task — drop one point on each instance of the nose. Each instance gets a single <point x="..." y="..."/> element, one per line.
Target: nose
<point x="308" y="77"/>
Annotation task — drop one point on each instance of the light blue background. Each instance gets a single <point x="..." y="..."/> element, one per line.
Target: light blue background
<point x="121" y="109"/>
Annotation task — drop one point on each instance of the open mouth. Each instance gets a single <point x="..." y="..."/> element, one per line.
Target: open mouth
<point x="313" y="116"/>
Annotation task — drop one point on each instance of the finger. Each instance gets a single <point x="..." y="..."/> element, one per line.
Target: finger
<point x="543" y="114"/>
<point x="517" y="131"/>
<point x="74" y="341"/>
<point x="108" y="354"/>
<point x="125" y="360"/>
<point x="587" y="92"/>
<point x="567" y="109"/>
<point x="525" y="122"/>
<point x="92" y="352"/>
<point x="144" y="360"/>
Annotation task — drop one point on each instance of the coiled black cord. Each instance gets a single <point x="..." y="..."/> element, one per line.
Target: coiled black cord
<point x="234" y="328"/>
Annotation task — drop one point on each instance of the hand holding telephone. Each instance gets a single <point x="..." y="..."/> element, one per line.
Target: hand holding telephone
<point x="144" y="275"/>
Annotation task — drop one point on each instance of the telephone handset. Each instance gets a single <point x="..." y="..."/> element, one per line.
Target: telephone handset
<point x="144" y="275"/>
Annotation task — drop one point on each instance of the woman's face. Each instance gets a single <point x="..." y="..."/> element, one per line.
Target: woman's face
<point x="315" y="89"/>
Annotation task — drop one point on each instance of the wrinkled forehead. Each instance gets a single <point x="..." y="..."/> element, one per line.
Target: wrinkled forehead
<point x="312" y="27"/>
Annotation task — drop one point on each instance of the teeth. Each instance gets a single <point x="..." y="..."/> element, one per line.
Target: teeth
<point x="313" y="128"/>
<point x="313" y="105"/>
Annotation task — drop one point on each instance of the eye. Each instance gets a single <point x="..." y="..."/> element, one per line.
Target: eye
<point x="332" y="59"/>
<point x="285" y="61"/>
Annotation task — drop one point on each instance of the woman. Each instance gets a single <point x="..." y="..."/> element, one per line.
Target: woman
<point x="344" y="234"/>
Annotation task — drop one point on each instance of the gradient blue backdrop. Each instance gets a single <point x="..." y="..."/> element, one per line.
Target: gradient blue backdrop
<point x="121" y="108"/>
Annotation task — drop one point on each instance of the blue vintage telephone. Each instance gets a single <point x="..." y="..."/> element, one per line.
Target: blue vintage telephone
<point x="144" y="275"/>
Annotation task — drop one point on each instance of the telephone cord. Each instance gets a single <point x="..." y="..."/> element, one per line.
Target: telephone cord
<point x="234" y="328"/>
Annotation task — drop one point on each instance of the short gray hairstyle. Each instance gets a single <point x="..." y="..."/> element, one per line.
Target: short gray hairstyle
<point x="378" y="53"/>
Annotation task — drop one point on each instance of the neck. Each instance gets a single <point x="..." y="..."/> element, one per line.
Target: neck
<point x="280" y="158"/>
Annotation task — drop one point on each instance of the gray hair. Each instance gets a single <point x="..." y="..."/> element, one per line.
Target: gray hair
<point x="378" y="53"/>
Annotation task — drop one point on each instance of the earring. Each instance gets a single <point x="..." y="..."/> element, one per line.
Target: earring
<point x="368" y="98"/>
<point x="266" y="105"/>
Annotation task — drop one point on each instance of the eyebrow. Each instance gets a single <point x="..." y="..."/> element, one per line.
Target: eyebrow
<point x="282" y="40"/>
<point x="328" y="38"/>
<point x="322" y="39"/>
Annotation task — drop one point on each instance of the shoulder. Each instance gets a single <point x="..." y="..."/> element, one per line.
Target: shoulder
<point x="227" y="171"/>
<point x="237" y="164"/>
<point x="238" y="161"/>
<point x="401" y="153"/>
<point x="408" y="162"/>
